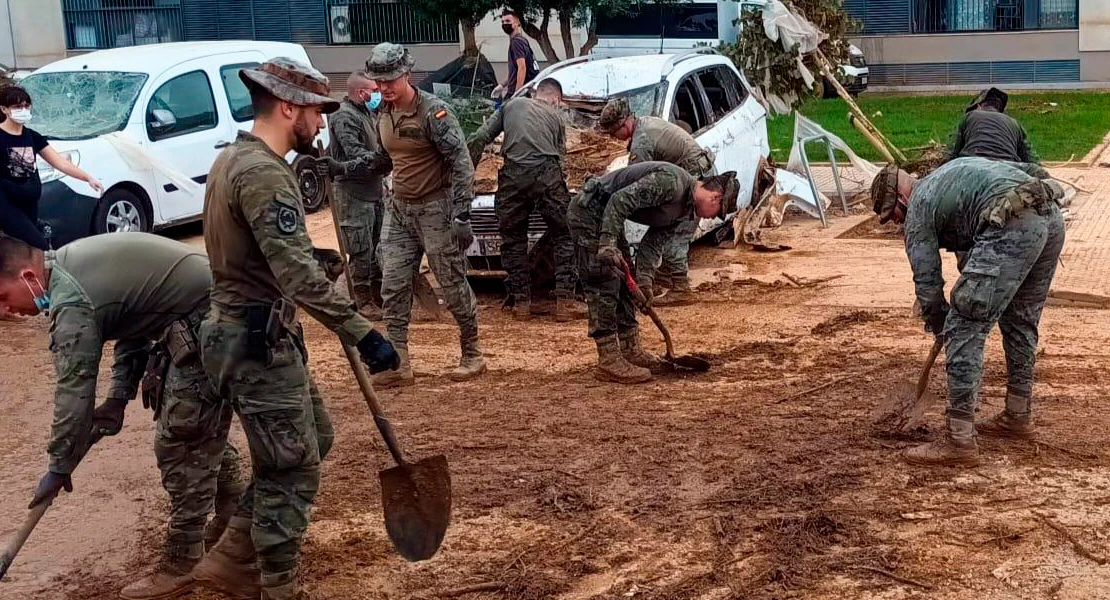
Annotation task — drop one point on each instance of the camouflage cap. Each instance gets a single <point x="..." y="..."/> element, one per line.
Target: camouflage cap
<point x="884" y="192"/>
<point x="613" y="115"/>
<point x="388" y="62"/>
<point x="1002" y="98"/>
<point x="291" y="81"/>
<point x="731" y="191"/>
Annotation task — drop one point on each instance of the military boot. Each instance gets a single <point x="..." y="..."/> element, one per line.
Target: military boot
<point x="472" y="364"/>
<point x="634" y="352"/>
<point x="679" y="294"/>
<point x="367" y="306"/>
<point x="402" y="377"/>
<point x="956" y="449"/>
<point x="231" y="566"/>
<point x="612" y="366"/>
<point x="173" y="577"/>
<point x="522" y="309"/>
<point x="227" y="501"/>
<point x="566" y="310"/>
<point x="1015" y="421"/>
<point x="279" y="586"/>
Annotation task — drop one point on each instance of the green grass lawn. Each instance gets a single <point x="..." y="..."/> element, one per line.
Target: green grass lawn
<point x="1077" y="123"/>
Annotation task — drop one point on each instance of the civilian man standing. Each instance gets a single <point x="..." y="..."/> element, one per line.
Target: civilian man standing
<point x="522" y="61"/>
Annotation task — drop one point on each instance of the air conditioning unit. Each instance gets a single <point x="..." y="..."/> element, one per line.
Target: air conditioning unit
<point x="340" y="23"/>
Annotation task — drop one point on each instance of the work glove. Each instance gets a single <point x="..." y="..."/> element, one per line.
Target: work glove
<point x="934" y="321"/>
<point x="49" y="486"/>
<point x="330" y="261"/>
<point x="498" y="92"/>
<point x="378" y="353"/>
<point x="108" y="417"/>
<point x="610" y="256"/>
<point x="326" y="166"/>
<point x="464" y="235"/>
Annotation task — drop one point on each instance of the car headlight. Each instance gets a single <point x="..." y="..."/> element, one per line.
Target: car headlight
<point x="48" y="173"/>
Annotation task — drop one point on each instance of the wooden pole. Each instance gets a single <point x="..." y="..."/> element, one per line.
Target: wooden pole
<point x="826" y="68"/>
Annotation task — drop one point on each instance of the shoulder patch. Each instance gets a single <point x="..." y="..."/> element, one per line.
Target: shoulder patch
<point x="286" y="219"/>
<point x="441" y="113"/>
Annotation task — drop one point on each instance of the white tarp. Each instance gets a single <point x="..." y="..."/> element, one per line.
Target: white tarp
<point x="781" y="25"/>
<point x="139" y="158"/>
<point x="805" y="128"/>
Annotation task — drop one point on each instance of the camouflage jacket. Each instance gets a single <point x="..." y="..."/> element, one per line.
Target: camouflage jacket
<point x="658" y="139"/>
<point x="354" y="143"/>
<point x="656" y="194"/>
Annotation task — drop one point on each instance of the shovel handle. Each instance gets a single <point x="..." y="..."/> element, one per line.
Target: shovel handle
<point x="338" y="230"/>
<point x="644" y="306"/>
<point x="367" y="388"/>
<point x="923" y="381"/>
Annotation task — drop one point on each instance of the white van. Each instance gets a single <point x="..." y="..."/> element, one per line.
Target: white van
<point x="176" y="105"/>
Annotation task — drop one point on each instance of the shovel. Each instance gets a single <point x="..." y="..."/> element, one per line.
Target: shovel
<point x="685" y="362"/>
<point x="904" y="407"/>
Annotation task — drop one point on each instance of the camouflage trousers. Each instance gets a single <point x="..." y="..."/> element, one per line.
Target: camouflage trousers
<point x="608" y="299"/>
<point x="360" y="218"/>
<point x="1005" y="280"/>
<point x="668" y="247"/>
<point x="520" y="191"/>
<point x="288" y="432"/>
<point x="410" y="230"/>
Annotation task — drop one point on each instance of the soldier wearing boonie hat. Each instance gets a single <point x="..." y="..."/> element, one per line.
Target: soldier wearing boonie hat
<point x="986" y="131"/>
<point x="262" y="269"/>
<point x="433" y="186"/>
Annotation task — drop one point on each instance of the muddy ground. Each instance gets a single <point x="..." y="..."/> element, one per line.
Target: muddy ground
<point x="739" y="483"/>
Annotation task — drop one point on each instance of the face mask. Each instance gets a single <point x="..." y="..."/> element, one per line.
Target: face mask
<point x="375" y="101"/>
<point x="507" y="28"/>
<point x="40" y="298"/>
<point x="21" y="115"/>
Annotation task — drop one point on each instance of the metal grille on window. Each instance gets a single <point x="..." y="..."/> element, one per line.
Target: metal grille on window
<point x="1059" y="14"/>
<point x="98" y="24"/>
<point x="945" y="16"/>
<point x="372" y="21"/>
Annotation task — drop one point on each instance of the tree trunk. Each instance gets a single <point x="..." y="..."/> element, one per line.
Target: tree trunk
<point x="565" y="32"/>
<point x="541" y="36"/>
<point x="470" y="41"/>
<point x="591" y="36"/>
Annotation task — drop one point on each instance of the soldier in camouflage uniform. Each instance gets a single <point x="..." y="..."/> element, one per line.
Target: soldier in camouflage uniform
<point x="659" y="195"/>
<point x="252" y="344"/>
<point x="357" y="189"/>
<point x="161" y="296"/>
<point x="433" y="181"/>
<point x="655" y="139"/>
<point x="532" y="178"/>
<point x="1010" y="225"/>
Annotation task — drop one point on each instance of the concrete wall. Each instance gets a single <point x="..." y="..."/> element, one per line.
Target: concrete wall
<point x="968" y="47"/>
<point x="1094" y="25"/>
<point x="32" y="33"/>
<point x="344" y="59"/>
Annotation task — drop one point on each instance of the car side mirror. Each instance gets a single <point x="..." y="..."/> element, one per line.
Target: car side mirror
<point x="162" y="120"/>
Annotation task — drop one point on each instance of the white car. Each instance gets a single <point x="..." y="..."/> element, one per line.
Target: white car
<point x="147" y="122"/>
<point x="699" y="88"/>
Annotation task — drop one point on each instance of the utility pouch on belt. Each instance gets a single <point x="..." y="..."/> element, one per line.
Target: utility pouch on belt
<point x="182" y="343"/>
<point x="258" y="347"/>
<point x="154" y="379"/>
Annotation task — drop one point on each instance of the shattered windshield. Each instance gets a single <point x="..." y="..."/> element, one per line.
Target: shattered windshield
<point x="75" y="105"/>
<point x="646" y="101"/>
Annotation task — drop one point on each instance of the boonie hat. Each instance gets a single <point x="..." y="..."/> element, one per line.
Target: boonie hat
<point x="389" y="61"/>
<point x="613" y="115"/>
<point x="292" y="81"/>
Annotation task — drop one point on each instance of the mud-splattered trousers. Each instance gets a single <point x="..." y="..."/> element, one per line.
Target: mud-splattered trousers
<point x="190" y="440"/>
<point x="608" y="300"/>
<point x="287" y="427"/>
<point x="1005" y="280"/>
<point x="411" y="229"/>
<point x="360" y="218"/>
<point x="521" y="190"/>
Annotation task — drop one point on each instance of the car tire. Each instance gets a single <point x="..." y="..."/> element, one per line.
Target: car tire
<point x="121" y="210"/>
<point x="314" y="191"/>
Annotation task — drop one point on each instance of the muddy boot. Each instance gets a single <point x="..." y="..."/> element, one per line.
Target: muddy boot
<point x="634" y="353"/>
<point x="956" y="449"/>
<point x="279" y="586"/>
<point x="472" y="363"/>
<point x="402" y="377"/>
<point x="680" y="293"/>
<point x="173" y="577"/>
<point x="230" y="567"/>
<point x="612" y="366"/>
<point x="522" y="310"/>
<point x="1015" y="421"/>
<point x="567" y="310"/>
<point x="227" y="501"/>
<point x="367" y="306"/>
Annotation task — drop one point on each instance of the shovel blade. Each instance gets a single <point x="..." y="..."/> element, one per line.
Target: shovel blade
<point x="902" y="411"/>
<point x="689" y="362"/>
<point x="416" y="500"/>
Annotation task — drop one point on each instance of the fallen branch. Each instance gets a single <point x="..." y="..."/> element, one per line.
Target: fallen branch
<point x="827" y="384"/>
<point x="793" y="280"/>
<point x="999" y="538"/>
<point x="1081" y="455"/>
<point x="898" y="578"/>
<point x="1080" y="549"/>
<point x="489" y="586"/>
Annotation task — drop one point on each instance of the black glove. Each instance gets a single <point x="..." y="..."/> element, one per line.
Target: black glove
<point x="934" y="321"/>
<point x="49" y="486"/>
<point x="378" y="353"/>
<point x="464" y="235"/>
<point x="610" y="256"/>
<point x="326" y="166"/>
<point x="108" y="417"/>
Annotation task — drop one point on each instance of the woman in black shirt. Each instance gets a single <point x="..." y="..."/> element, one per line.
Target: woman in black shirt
<point x="20" y="185"/>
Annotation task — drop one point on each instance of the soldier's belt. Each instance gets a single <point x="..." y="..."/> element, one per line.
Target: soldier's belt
<point x="267" y="325"/>
<point x="435" y="196"/>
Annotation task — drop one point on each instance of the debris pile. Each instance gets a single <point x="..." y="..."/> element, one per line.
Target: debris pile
<point x="588" y="153"/>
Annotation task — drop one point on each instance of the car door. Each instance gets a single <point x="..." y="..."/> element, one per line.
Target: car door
<point x="738" y="134"/>
<point x="235" y="91"/>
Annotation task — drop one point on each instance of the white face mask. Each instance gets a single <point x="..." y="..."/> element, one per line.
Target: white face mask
<point x="21" y="115"/>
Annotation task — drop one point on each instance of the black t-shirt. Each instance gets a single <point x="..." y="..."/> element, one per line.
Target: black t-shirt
<point x="520" y="48"/>
<point x="18" y="154"/>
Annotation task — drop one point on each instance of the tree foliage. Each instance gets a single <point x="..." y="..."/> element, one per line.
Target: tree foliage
<point x="467" y="12"/>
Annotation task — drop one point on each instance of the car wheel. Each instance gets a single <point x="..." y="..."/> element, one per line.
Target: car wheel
<point x="314" y="190"/>
<point x="121" y="210"/>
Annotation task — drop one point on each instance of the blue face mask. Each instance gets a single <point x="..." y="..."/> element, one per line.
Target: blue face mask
<point x="40" y="298"/>
<point x="375" y="101"/>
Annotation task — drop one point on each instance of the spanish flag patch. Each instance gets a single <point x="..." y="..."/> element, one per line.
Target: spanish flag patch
<point x="441" y="113"/>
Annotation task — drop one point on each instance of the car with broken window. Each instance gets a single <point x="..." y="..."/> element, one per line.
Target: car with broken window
<point x="148" y="122"/>
<point x="699" y="90"/>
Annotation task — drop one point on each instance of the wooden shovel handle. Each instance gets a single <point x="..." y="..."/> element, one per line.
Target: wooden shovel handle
<point x="367" y="388"/>
<point x="642" y="304"/>
<point x="923" y="381"/>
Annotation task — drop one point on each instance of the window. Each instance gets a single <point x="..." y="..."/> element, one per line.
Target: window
<point x="944" y="16"/>
<point x="94" y="24"/>
<point x="722" y="98"/>
<point x="182" y="105"/>
<point x="689" y="110"/>
<point x="733" y="84"/>
<point x="683" y="21"/>
<point x="238" y="96"/>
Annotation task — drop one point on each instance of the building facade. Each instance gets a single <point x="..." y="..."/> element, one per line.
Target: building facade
<point x="30" y="33"/>
<point x="954" y="44"/>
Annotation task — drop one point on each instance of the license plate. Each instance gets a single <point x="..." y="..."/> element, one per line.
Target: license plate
<point x="863" y="80"/>
<point x="490" y="246"/>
